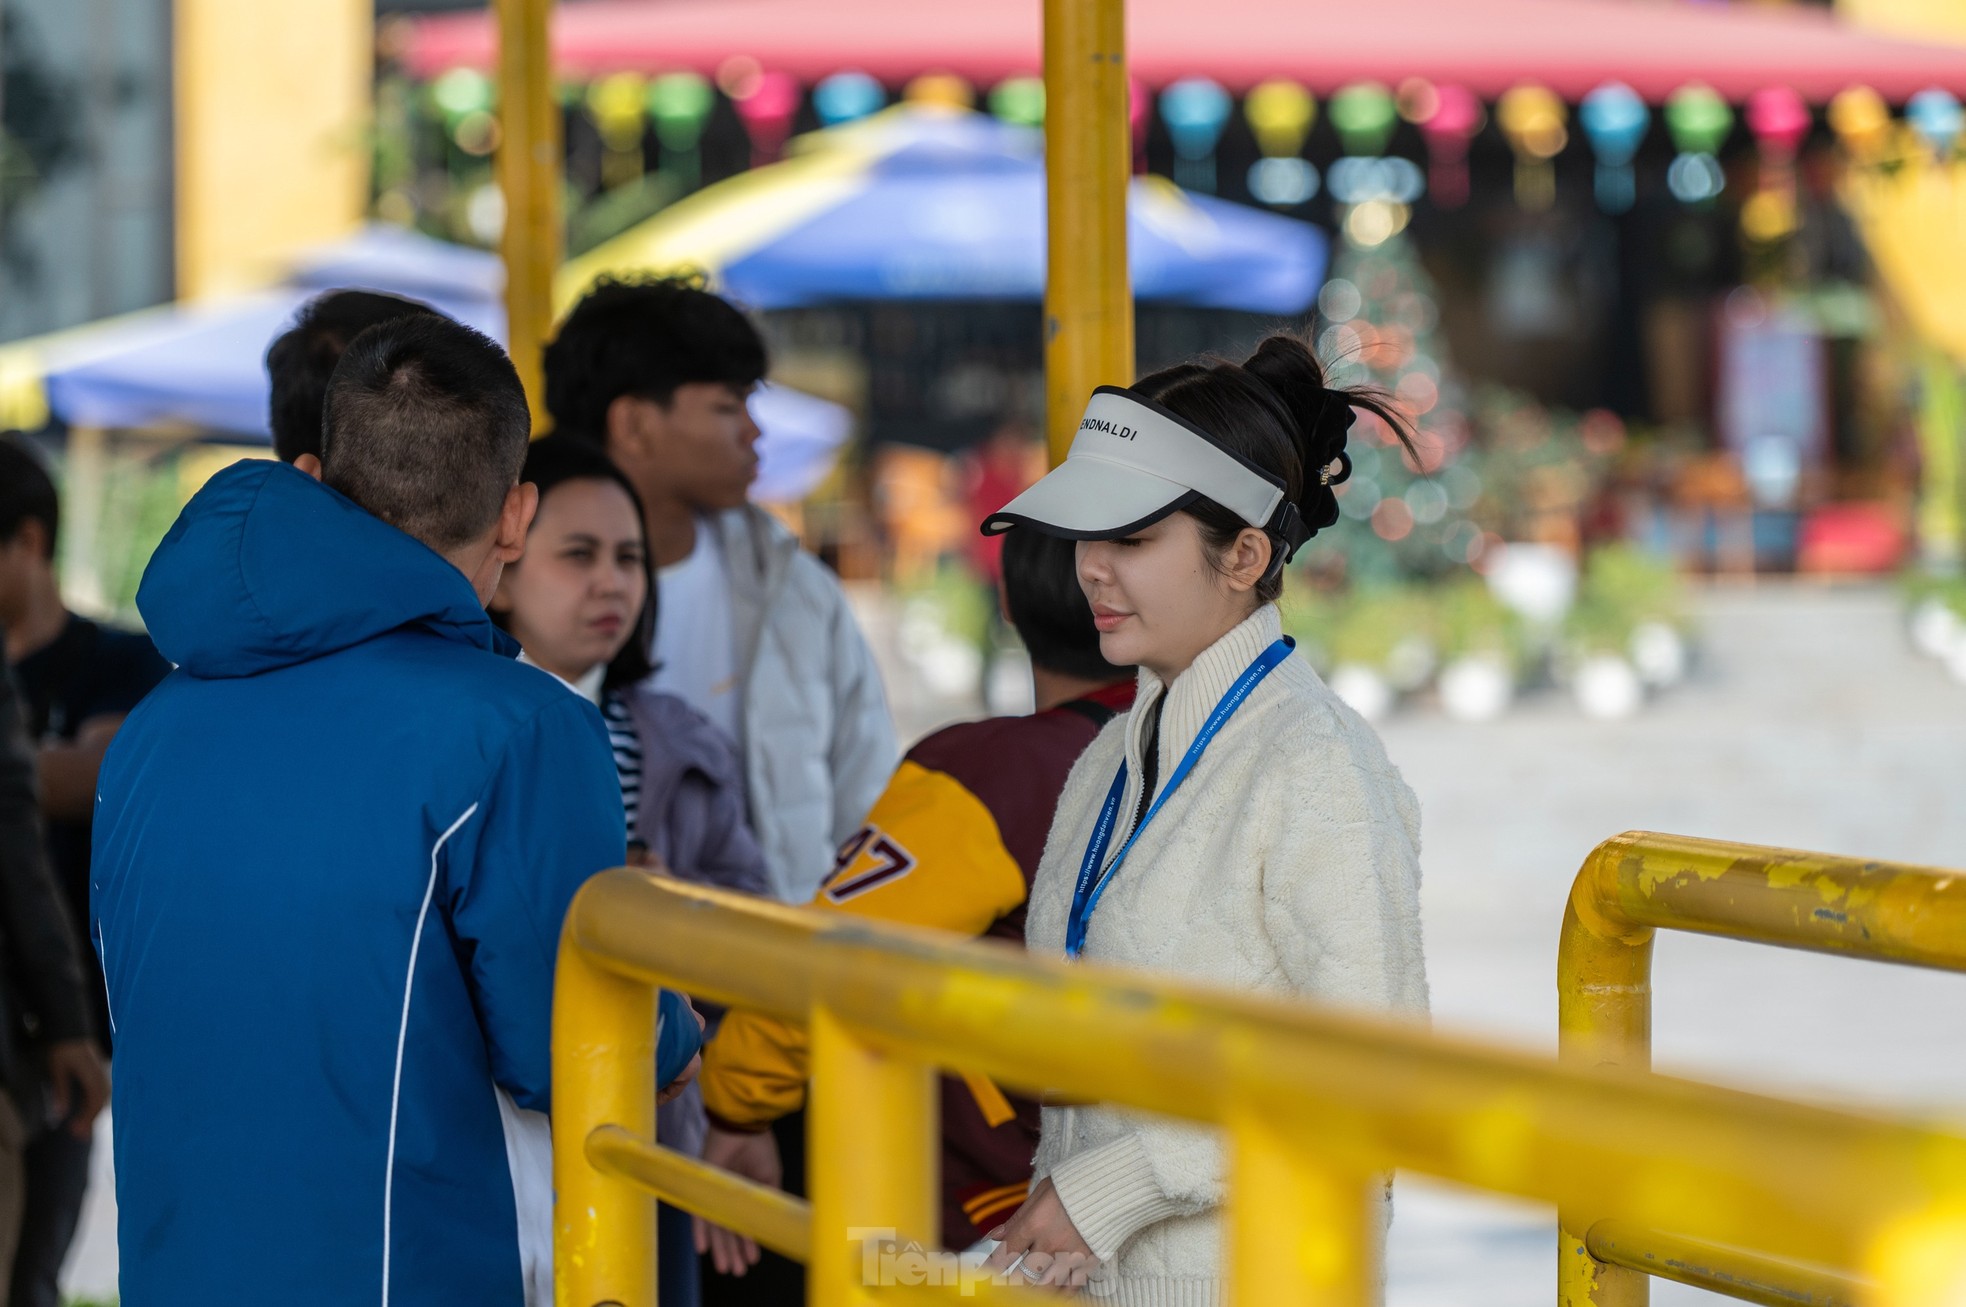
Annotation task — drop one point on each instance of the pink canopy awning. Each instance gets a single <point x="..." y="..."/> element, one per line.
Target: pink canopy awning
<point x="1488" y="46"/>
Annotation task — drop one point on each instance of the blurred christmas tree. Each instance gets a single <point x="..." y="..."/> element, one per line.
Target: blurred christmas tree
<point x="1380" y="328"/>
<point x="1505" y="469"/>
<point x="1539" y="469"/>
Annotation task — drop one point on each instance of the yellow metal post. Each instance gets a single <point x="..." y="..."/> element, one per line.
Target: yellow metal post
<point x="1088" y="300"/>
<point x="1640" y="882"/>
<point x="603" y="1075"/>
<point x="528" y="166"/>
<point x="1604" y="1018"/>
<point x="269" y="106"/>
<point x="872" y="1139"/>
<point x="1300" y="1229"/>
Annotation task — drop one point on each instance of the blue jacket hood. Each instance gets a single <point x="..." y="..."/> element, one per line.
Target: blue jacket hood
<point x="266" y="567"/>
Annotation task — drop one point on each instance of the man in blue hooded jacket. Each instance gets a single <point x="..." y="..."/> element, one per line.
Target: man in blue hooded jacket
<point x="333" y="852"/>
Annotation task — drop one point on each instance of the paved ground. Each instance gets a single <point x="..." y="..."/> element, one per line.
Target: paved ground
<point x="1808" y="724"/>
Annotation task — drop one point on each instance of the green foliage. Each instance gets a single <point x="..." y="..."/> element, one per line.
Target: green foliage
<point x="1622" y="588"/>
<point x="610" y="213"/>
<point x="1645" y="585"/>
<point x="140" y="499"/>
<point x="1919" y="585"/>
<point x="1374" y="623"/>
<point x="1311" y="617"/>
<point x="1596" y="627"/>
<point x="143" y="499"/>
<point x="1471" y="620"/>
<point x="957" y="603"/>
<point x="1384" y="627"/>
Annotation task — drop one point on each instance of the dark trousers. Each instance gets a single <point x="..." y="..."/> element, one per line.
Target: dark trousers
<point x="57" y="1165"/>
<point x="677" y="1282"/>
<point x="775" y="1281"/>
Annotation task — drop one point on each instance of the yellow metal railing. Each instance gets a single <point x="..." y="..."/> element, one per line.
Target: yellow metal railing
<point x="1639" y="883"/>
<point x="1314" y="1106"/>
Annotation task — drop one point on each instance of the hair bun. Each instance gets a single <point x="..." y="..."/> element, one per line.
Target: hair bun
<point x="1320" y="419"/>
<point x="1286" y="365"/>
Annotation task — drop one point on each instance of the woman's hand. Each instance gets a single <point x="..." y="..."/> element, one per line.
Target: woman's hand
<point x="78" y="1083"/>
<point x="642" y="856"/>
<point x="1042" y="1243"/>
<point x="755" y="1157"/>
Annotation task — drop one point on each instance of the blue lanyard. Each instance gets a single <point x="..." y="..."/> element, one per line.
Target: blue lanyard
<point x="1092" y="884"/>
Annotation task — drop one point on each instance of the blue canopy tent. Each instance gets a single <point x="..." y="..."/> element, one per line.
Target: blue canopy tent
<point x="201" y="366"/>
<point x="198" y="369"/>
<point x="920" y="203"/>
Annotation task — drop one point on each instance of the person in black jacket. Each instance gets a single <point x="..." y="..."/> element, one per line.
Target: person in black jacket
<point x="46" y="996"/>
<point x="76" y="680"/>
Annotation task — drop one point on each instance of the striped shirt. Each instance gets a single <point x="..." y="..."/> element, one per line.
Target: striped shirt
<point x="627" y="755"/>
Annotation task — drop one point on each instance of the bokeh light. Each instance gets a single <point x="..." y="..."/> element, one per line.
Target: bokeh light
<point x="1698" y="119"/>
<point x="847" y="96"/>
<point x="1280" y="112"/>
<point x="1427" y="502"/>
<point x="1364" y="115"/>
<point x="945" y="90"/>
<point x="1339" y="301"/>
<point x="739" y="76"/>
<point x="1392" y="520"/>
<point x="1283" y="182"/>
<point x="1695" y="178"/>
<point x="1019" y="100"/>
<point x="1359" y="497"/>
<point x="1375" y="222"/>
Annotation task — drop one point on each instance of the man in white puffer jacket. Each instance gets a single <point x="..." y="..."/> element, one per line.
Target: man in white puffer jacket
<point x="819" y="745"/>
<point x="754" y="632"/>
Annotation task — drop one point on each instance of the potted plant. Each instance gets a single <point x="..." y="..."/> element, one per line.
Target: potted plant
<point x="1648" y="590"/>
<point x="1482" y="650"/>
<point x="1936" y="619"/>
<point x="1626" y="631"/>
<point x="1383" y="645"/>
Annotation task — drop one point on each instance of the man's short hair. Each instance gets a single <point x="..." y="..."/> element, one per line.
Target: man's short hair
<point x="27" y="492"/>
<point x="644" y="337"/>
<point x="1049" y="610"/>
<point x="426" y="427"/>
<point x="302" y="358"/>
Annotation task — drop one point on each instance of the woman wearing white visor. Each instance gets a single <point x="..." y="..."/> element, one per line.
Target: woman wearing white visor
<point x="1241" y="824"/>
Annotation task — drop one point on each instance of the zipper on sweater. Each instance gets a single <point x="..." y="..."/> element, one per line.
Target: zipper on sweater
<point x="1149" y="771"/>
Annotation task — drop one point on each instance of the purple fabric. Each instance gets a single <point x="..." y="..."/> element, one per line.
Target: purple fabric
<point x="693" y="817"/>
<point x="693" y="813"/>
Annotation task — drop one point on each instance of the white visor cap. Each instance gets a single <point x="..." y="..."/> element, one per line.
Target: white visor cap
<point x="1131" y="464"/>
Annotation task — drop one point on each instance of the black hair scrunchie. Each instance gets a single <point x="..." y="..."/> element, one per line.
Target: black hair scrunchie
<point x="1328" y="437"/>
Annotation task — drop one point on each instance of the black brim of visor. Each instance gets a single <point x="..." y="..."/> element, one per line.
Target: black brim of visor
<point x="1092" y="499"/>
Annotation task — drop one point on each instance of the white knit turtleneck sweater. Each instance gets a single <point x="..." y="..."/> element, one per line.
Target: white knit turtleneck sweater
<point x="1288" y="863"/>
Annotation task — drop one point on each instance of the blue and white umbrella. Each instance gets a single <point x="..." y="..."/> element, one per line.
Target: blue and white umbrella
<point x="922" y="203"/>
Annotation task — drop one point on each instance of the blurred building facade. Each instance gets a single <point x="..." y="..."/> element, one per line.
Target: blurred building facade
<point x="157" y="150"/>
<point x="86" y="222"/>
